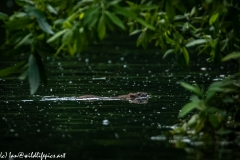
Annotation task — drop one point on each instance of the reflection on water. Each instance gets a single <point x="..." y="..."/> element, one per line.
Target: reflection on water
<point x="137" y="98"/>
<point x="55" y="121"/>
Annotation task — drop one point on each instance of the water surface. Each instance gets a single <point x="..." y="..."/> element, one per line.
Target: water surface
<point x="101" y="129"/>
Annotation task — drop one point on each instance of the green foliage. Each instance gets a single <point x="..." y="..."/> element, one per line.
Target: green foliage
<point x="234" y="55"/>
<point x="33" y="74"/>
<point x="191" y="88"/>
<point x="11" y="70"/>
<point x="218" y="111"/>
<point x="42" y="28"/>
<point x="53" y="27"/>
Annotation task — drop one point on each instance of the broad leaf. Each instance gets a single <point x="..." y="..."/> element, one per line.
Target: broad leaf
<point x="51" y="9"/>
<point x="24" y="2"/>
<point x="67" y="36"/>
<point x="90" y="16"/>
<point x="135" y="32"/>
<point x="141" y="38"/>
<point x="217" y="87"/>
<point x="115" y="19"/>
<point x="56" y="36"/>
<point x="124" y="11"/>
<point x="23" y="76"/>
<point x="196" y="42"/>
<point x="168" y="52"/>
<point x="148" y="7"/>
<point x="180" y="6"/>
<point x="213" y="18"/>
<point x="33" y="74"/>
<point x="191" y="88"/>
<point x="234" y="55"/>
<point x="144" y="23"/>
<point x="17" y="23"/>
<point x="32" y="11"/>
<point x="186" y="55"/>
<point x="10" y="70"/>
<point x="187" y="108"/>
<point x="40" y="17"/>
<point x="101" y="28"/>
<point x="114" y="2"/>
<point x="23" y="41"/>
<point x="170" y="9"/>
<point x="43" y="24"/>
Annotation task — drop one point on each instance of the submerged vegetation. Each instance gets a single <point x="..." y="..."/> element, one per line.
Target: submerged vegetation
<point x="43" y="28"/>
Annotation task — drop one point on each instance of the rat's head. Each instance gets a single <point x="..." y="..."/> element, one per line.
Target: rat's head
<point x="138" y="95"/>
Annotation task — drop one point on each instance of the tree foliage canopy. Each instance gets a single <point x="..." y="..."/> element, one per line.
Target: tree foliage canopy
<point x="41" y="28"/>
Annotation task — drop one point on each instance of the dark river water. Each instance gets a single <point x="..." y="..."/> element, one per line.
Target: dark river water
<point x="101" y="129"/>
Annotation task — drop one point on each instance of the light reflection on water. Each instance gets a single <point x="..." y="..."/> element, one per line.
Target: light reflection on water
<point x="115" y="129"/>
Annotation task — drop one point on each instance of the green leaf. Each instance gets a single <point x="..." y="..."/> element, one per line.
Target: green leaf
<point x="234" y="55"/>
<point x="18" y="23"/>
<point x="148" y="7"/>
<point x="168" y="52"/>
<point x="132" y="5"/>
<point x="208" y="1"/>
<point x="23" y="41"/>
<point x="191" y="88"/>
<point x="43" y="24"/>
<point x="223" y="83"/>
<point x="217" y="87"/>
<point x="10" y="70"/>
<point x="115" y="2"/>
<point x="170" y="9"/>
<point x="40" y="17"/>
<point x="125" y="12"/>
<point x="67" y="36"/>
<point x="193" y="120"/>
<point x="187" y="108"/>
<point x="32" y="11"/>
<point x="115" y="19"/>
<point x="210" y="94"/>
<point x="213" y="18"/>
<point x="186" y="55"/>
<point x="180" y="6"/>
<point x="224" y="44"/>
<point x="135" y="32"/>
<point x="33" y="74"/>
<point x="23" y="76"/>
<point x="51" y="9"/>
<point x="144" y="23"/>
<point x="101" y="28"/>
<point x="56" y="36"/>
<point x="196" y="42"/>
<point x="60" y="48"/>
<point x="24" y="2"/>
<point x="91" y="16"/>
<point x="141" y="38"/>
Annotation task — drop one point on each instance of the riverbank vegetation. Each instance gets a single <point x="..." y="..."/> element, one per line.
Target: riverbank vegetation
<point x="57" y="27"/>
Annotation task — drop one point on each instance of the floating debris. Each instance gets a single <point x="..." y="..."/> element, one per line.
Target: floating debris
<point x="100" y="78"/>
